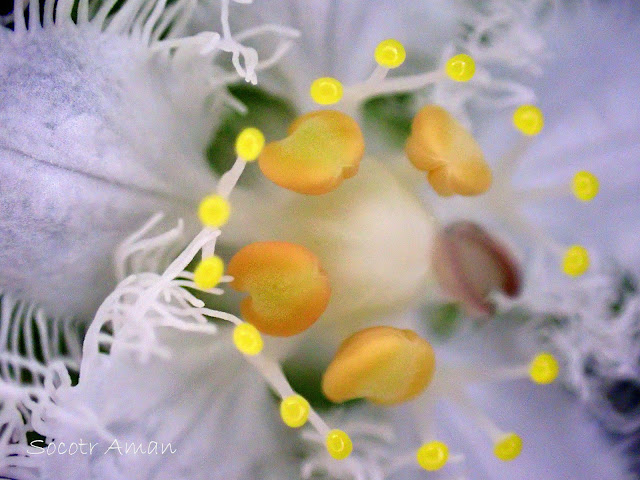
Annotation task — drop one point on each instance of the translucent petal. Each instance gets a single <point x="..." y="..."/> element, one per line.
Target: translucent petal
<point x="93" y="141"/>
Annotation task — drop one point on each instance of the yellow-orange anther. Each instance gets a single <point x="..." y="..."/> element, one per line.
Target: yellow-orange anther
<point x="449" y="154"/>
<point x="288" y="290"/>
<point x="323" y="148"/>
<point x="385" y="365"/>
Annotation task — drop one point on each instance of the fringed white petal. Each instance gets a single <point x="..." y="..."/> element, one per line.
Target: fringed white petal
<point x="36" y="355"/>
<point x="157" y="389"/>
<point x="203" y="400"/>
<point x="337" y="39"/>
<point x="92" y="144"/>
<point x="103" y="123"/>
<point x="592" y="325"/>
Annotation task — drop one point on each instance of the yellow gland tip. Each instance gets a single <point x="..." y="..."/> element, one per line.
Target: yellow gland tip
<point x="326" y="91"/>
<point x="294" y="411"/>
<point x="432" y="456"/>
<point x="214" y="211"/>
<point x="208" y="272"/>
<point x="575" y="261"/>
<point x="390" y="53"/>
<point x="528" y="119"/>
<point x="508" y="447"/>
<point x="544" y="368"/>
<point x="585" y="186"/>
<point x="247" y="339"/>
<point x="249" y="144"/>
<point x="339" y="444"/>
<point x="461" y="68"/>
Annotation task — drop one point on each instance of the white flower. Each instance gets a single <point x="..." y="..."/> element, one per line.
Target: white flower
<point x="103" y="123"/>
<point x="153" y="368"/>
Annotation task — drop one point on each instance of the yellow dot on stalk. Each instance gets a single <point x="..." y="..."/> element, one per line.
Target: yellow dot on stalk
<point x="214" y="211"/>
<point x="575" y="261"/>
<point x="390" y="53"/>
<point x="339" y="444"/>
<point x="544" y="368"/>
<point x="247" y="339"/>
<point x="326" y="91"/>
<point x="249" y="144"/>
<point x="528" y="119"/>
<point x="208" y="272"/>
<point x="294" y="411"/>
<point x="585" y="186"/>
<point x="508" y="447"/>
<point x="461" y="68"/>
<point x="432" y="456"/>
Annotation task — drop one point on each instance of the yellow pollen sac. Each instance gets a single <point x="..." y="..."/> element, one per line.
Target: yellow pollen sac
<point x="433" y="456"/>
<point x="323" y="148"/>
<point x="294" y="411"/>
<point x="339" y="444"/>
<point x="575" y="261"/>
<point x="544" y="368"/>
<point x="288" y="290"/>
<point x="214" y="211"/>
<point x="249" y="144"/>
<point x="326" y="91"/>
<point x="443" y="148"/>
<point x="247" y="339"/>
<point x="528" y="119"/>
<point x="508" y="447"/>
<point x="390" y="53"/>
<point x="461" y="68"/>
<point x="208" y="272"/>
<point x="585" y="186"/>
<point x="385" y="365"/>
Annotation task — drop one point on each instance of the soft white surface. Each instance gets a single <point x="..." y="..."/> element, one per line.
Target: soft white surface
<point x="92" y="143"/>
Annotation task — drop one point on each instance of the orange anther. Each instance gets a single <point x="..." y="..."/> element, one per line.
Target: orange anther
<point x="288" y="290"/>
<point x="323" y="148"/>
<point x="449" y="154"/>
<point x="385" y="365"/>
